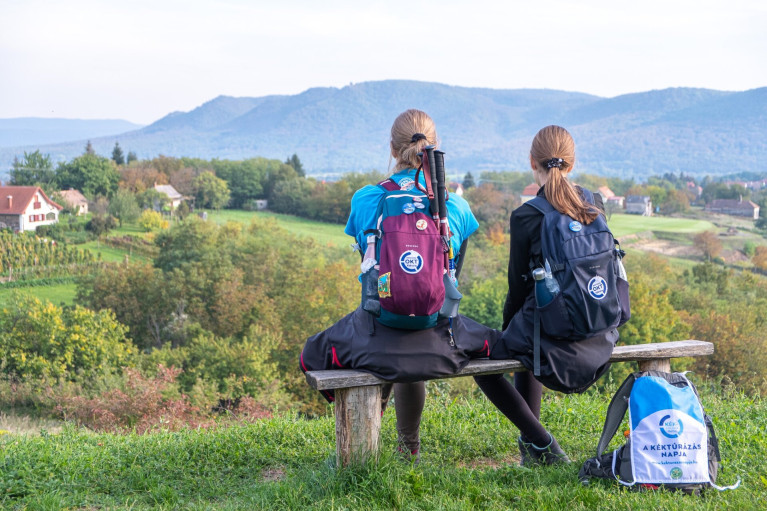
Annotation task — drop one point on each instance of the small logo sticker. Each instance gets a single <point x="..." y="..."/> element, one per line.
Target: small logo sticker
<point x="419" y="205"/>
<point x="406" y="183"/>
<point x="411" y="262"/>
<point x="384" y="288"/>
<point x="676" y="473"/>
<point x="575" y="226"/>
<point x="597" y="287"/>
<point x="417" y="199"/>
<point x="421" y="224"/>
<point x="671" y="428"/>
<point x="408" y="208"/>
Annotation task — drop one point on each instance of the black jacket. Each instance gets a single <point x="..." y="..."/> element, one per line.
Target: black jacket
<point x="525" y="246"/>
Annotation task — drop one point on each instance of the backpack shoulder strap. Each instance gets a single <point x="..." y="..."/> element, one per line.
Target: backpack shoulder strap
<point x="587" y="195"/>
<point x="615" y="413"/>
<point x="389" y="185"/>
<point x="541" y="204"/>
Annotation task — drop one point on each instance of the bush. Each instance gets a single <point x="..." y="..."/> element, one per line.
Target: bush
<point x="41" y="341"/>
<point x="152" y="221"/>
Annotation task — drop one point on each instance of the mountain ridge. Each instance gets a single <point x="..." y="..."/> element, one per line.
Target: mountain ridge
<point x="336" y="130"/>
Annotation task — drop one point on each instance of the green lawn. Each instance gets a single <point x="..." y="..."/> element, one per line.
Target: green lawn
<point x="332" y="234"/>
<point x="622" y="224"/>
<point x="56" y="293"/>
<point x="469" y="460"/>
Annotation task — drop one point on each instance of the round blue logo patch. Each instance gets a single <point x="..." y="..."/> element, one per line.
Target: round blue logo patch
<point x="406" y="183"/>
<point x="597" y="288"/>
<point x="575" y="226"/>
<point x="671" y="428"/>
<point x="408" y="208"/>
<point x="411" y="262"/>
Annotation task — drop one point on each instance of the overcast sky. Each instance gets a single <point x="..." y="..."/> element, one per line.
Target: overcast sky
<point x="141" y="59"/>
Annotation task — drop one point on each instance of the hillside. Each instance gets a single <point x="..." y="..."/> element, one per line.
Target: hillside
<point x="334" y="130"/>
<point x="29" y="131"/>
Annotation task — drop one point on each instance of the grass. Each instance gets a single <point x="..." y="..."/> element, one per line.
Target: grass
<point x="469" y="461"/>
<point x="622" y="224"/>
<point x="326" y="233"/>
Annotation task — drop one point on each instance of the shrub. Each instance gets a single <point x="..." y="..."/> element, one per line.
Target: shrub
<point x="152" y="221"/>
<point x="41" y="341"/>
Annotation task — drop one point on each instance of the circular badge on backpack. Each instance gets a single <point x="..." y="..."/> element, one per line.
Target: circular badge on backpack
<point x="597" y="288"/>
<point x="421" y="224"/>
<point x="406" y="183"/>
<point x="408" y="208"/>
<point x="411" y="262"/>
<point x="575" y="226"/>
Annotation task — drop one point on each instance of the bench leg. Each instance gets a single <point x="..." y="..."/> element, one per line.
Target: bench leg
<point x="660" y="364"/>
<point x="358" y="424"/>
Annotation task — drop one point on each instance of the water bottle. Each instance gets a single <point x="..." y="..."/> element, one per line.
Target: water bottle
<point x="551" y="282"/>
<point x="542" y="294"/>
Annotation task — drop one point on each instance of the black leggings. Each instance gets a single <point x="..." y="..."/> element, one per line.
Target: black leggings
<point x="520" y="403"/>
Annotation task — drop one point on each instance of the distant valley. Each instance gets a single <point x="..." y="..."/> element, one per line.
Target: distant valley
<point x="336" y="130"/>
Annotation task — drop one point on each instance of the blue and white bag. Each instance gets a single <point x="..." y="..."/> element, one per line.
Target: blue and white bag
<point x="671" y="441"/>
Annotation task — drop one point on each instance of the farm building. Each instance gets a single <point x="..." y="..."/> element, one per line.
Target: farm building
<point x="24" y="208"/>
<point x="734" y="207"/>
<point x="75" y="200"/>
<point x="639" y="205"/>
<point x="174" y="197"/>
<point x="529" y="192"/>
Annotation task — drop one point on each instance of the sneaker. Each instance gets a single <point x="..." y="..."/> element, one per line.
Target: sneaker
<point x="532" y="455"/>
<point x="413" y="457"/>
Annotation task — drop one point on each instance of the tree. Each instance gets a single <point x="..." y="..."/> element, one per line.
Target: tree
<point x="760" y="257"/>
<point x="210" y="191"/>
<point x="468" y="181"/>
<point x="708" y="243"/>
<point x="124" y="207"/>
<point x="131" y="157"/>
<point x="152" y="221"/>
<point x="89" y="173"/>
<point x="294" y="162"/>
<point x="34" y="169"/>
<point x="117" y="154"/>
<point x="89" y="148"/>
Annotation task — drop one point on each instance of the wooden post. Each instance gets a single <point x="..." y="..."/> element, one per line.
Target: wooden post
<point x="358" y="424"/>
<point x="659" y="364"/>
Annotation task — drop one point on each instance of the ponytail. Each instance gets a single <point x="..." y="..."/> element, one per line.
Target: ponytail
<point x="553" y="151"/>
<point x="411" y="132"/>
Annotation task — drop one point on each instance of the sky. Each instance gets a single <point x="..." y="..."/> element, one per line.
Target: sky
<point x="139" y="60"/>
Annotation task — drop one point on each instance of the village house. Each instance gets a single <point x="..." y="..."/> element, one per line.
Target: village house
<point x="174" y="198"/>
<point x="24" y="208"/>
<point x="639" y="205"/>
<point x="75" y="200"/>
<point x="734" y="207"/>
<point x="529" y="192"/>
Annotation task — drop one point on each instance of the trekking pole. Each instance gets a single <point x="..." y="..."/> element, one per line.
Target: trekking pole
<point x="444" y="228"/>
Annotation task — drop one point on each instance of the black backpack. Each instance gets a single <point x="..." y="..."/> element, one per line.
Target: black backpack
<point x="585" y="261"/>
<point x="670" y="442"/>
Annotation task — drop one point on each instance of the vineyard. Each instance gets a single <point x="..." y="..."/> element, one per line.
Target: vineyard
<point x="28" y="257"/>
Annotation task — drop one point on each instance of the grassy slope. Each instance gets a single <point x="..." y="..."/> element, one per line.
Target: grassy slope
<point x="622" y="225"/>
<point x="469" y="462"/>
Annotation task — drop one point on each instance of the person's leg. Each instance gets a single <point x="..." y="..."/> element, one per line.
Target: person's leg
<point x="531" y="391"/>
<point x="409" y="399"/>
<point x="512" y="404"/>
<point x="536" y="445"/>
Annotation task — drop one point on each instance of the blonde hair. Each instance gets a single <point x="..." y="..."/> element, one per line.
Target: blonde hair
<point x="555" y="143"/>
<point x="404" y="149"/>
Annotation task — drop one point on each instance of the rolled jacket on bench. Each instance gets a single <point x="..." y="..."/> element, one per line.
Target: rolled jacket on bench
<point x="358" y="341"/>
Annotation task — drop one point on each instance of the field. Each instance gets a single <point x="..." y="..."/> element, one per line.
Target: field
<point x="469" y="461"/>
<point x="622" y="224"/>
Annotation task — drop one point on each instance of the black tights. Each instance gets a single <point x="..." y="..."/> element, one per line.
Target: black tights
<point x="520" y="403"/>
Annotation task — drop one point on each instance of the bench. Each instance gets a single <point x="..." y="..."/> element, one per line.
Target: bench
<point x="358" y="394"/>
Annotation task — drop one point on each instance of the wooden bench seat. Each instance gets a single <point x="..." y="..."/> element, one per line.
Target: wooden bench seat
<point x="358" y="394"/>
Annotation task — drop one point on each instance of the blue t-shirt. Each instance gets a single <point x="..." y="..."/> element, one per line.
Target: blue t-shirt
<point x="365" y="202"/>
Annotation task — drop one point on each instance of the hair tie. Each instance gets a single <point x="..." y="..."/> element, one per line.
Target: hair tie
<point x="417" y="137"/>
<point x="554" y="163"/>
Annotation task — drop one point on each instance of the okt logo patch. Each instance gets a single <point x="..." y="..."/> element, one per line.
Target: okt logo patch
<point x="597" y="288"/>
<point x="411" y="262"/>
<point x="670" y="427"/>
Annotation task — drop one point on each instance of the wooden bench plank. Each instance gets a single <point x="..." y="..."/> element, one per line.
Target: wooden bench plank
<point x="660" y="352"/>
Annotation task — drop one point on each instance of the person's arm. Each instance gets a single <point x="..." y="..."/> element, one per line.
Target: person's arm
<point x="520" y="247"/>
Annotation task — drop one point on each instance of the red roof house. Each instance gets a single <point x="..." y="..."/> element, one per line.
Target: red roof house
<point x="23" y="208"/>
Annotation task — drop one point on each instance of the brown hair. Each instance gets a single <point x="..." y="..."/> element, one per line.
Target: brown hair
<point x="554" y="142"/>
<point x="403" y="147"/>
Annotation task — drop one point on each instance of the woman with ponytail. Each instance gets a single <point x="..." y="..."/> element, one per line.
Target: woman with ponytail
<point x="405" y="354"/>
<point x="552" y="157"/>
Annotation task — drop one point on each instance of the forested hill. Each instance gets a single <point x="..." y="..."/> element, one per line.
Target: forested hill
<point x="698" y="131"/>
